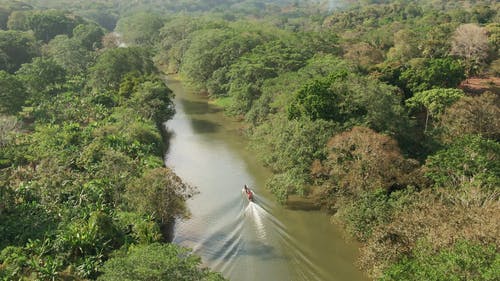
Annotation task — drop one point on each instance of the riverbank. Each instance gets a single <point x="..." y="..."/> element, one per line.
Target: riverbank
<point x="208" y="150"/>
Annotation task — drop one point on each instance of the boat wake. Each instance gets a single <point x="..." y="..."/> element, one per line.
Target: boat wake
<point x="257" y="214"/>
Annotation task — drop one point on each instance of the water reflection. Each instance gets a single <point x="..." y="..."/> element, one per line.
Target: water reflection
<point x="201" y="126"/>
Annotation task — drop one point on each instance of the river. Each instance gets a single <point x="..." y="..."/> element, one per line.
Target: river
<point x="241" y="239"/>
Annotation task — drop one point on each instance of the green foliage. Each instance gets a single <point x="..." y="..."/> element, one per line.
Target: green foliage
<point x="70" y="106"/>
<point x="81" y="169"/>
<point x="289" y="147"/>
<point x="114" y="64"/>
<point x="64" y="139"/>
<point x="351" y="100"/>
<point x="47" y="24"/>
<point x="4" y="17"/>
<point x="152" y="100"/>
<point x="9" y="128"/>
<point x="41" y="75"/>
<point x="436" y="43"/>
<point x="18" y="20"/>
<point x="156" y="262"/>
<point x="12" y="93"/>
<point x="78" y="158"/>
<point x="159" y="193"/>
<point x="139" y="229"/>
<point x="140" y="28"/>
<point x="468" y="161"/>
<point x="16" y="48"/>
<point x="89" y="35"/>
<point x="465" y="260"/>
<point x="68" y="53"/>
<point x="425" y="74"/>
<point x="89" y="238"/>
<point x="315" y="100"/>
<point x="277" y="92"/>
<point x="210" y="50"/>
<point x="265" y="61"/>
<point x="362" y="215"/>
<point x="25" y="221"/>
<point x="175" y="37"/>
<point x="405" y="46"/>
<point x="434" y="101"/>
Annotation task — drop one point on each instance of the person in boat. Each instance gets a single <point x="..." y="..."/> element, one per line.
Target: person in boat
<point x="248" y="192"/>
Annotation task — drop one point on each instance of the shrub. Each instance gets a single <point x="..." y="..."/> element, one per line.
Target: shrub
<point x="156" y="262"/>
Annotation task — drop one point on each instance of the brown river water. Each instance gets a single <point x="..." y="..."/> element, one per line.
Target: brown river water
<point x="245" y="240"/>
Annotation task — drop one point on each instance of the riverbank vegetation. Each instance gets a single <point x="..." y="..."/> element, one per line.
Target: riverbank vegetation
<point x="84" y="193"/>
<point x="366" y="111"/>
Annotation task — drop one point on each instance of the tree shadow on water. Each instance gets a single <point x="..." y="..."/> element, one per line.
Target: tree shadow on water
<point x="199" y="107"/>
<point x="204" y="127"/>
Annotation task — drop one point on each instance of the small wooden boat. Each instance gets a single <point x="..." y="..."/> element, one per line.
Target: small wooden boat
<point x="248" y="192"/>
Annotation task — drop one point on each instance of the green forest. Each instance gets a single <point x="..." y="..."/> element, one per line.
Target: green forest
<point x="383" y="113"/>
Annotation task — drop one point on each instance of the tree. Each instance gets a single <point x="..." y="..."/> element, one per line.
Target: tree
<point x="465" y="259"/>
<point x="113" y="64"/>
<point x="316" y="101"/>
<point x="473" y="115"/>
<point x="361" y="160"/>
<point x="40" y="75"/>
<point x="436" y="43"/>
<point x="16" y="48"/>
<point x="247" y="74"/>
<point x="102" y="15"/>
<point x="470" y="161"/>
<point x="175" y="37"/>
<point x="288" y="148"/>
<point x="425" y="74"/>
<point x="68" y="53"/>
<point x="18" y="20"/>
<point x="12" y="93"/>
<point x="47" y="24"/>
<point x="405" y="46"/>
<point x="9" y="126"/>
<point x="152" y="100"/>
<point x="89" y="35"/>
<point x="277" y="92"/>
<point x="159" y="193"/>
<point x="430" y="217"/>
<point x="435" y="101"/>
<point x="210" y="50"/>
<point x="351" y="100"/>
<point x="156" y="262"/>
<point x="470" y="42"/>
<point x="140" y="28"/>
<point x="364" y="54"/>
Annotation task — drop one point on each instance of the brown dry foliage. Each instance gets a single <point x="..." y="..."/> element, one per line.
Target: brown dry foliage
<point x="473" y="115"/>
<point x="364" y="54"/>
<point x="434" y="218"/>
<point x="470" y="41"/>
<point x="361" y="160"/>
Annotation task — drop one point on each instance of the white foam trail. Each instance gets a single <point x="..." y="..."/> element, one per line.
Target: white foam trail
<point x="257" y="214"/>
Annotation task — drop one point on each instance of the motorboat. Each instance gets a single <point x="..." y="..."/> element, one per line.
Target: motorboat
<point x="248" y="193"/>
